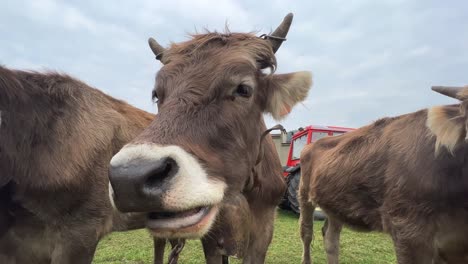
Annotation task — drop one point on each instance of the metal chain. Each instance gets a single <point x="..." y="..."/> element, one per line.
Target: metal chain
<point x="251" y="180"/>
<point x="262" y="137"/>
<point x="174" y="256"/>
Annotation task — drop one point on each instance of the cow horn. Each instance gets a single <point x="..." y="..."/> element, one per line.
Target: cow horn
<point x="449" y="91"/>
<point x="279" y="35"/>
<point x="157" y="49"/>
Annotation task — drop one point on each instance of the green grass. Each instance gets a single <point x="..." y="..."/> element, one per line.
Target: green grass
<point x="136" y="246"/>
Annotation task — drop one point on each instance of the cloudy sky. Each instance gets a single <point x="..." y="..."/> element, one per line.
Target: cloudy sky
<point x="370" y="59"/>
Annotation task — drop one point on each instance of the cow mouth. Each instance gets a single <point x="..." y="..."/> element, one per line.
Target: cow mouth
<point x="181" y="223"/>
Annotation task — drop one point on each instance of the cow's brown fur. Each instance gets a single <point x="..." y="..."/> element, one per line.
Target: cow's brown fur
<point x="387" y="177"/>
<point x="199" y="113"/>
<point x="57" y="136"/>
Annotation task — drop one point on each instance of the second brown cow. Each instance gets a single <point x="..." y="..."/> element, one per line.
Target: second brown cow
<point x="406" y="176"/>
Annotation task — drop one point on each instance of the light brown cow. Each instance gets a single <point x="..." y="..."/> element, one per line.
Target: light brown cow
<point x="57" y="136"/>
<point x="406" y="176"/>
<point x="202" y="152"/>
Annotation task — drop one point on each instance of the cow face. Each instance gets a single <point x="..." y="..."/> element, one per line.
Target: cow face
<point x="449" y="124"/>
<point x="201" y="148"/>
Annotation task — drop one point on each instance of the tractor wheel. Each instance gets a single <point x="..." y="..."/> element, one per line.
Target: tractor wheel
<point x="293" y="187"/>
<point x="319" y="215"/>
<point x="284" y="204"/>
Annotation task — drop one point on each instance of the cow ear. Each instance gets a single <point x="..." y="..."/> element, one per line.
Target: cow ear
<point x="447" y="124"/>
<point x="284" y="91"/>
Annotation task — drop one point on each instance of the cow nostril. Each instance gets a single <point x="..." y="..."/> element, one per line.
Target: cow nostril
<point x="162" y="169"/>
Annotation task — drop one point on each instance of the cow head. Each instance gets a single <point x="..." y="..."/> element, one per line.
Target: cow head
<point x="211" y="95"/>
<point x="449" y="123"/>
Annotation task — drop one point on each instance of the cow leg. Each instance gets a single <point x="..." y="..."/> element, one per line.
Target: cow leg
<point x="7" y="251"/>
<point x="5" y="218"/>
<point x="74" y="251"/>
<point x="403" y="252"/>
<point x="77" y="244"/>
<point x="438" y="258"/>
<point x="210" y="249"/>
<point x="159" y="245"/>
<point x="408" y="251"/>
<point x="306" y="221"/>
<point x="7" y="259"/>
<point x="260" y="235"/>
<point x="406" y="254"/>
<point x="331" y="238"/>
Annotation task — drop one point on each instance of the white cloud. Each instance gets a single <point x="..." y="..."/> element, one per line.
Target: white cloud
<point x="74" y="19"/>
<point x="419" y="51"/>
<point x="369" y="59"/>
<point x="371" y="62"/>
<point x="57" y="14"/>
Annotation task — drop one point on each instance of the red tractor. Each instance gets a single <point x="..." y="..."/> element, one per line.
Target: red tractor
<point x="292" y="170"/>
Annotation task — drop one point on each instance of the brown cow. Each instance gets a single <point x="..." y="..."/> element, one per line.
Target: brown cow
<point x="57" y="136"/>
<point x="406" y="176"/>
<point x="202" y="152"/>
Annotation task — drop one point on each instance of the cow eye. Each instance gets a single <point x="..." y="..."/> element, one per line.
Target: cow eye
<point x="243" y="90"/>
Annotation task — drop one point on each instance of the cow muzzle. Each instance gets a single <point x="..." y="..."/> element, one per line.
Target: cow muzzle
<point x="169" y="184"/>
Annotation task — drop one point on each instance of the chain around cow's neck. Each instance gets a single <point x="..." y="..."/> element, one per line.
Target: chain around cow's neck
<point x="173" y="257"/>
<point x="251" y="181"/>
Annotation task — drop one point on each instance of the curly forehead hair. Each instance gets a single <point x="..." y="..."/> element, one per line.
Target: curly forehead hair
<point x="231" y="43"/>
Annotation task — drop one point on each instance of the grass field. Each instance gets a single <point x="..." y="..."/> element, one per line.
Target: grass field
<point x="136" y="246"/>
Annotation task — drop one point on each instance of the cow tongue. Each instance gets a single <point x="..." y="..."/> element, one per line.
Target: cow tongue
<point x="175" y="220"/>
<point x="165" y="215"/>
